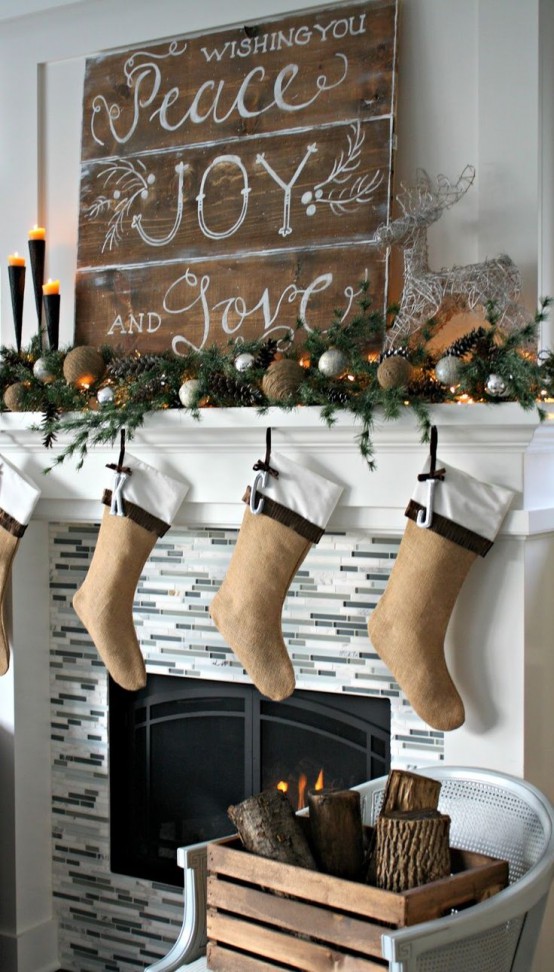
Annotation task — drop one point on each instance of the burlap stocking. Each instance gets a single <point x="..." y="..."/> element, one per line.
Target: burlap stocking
<point x="408" y="626"/>
<point x="18" y="498"/>
<point x="104" y="602"/>
<point x="270" y="548"/>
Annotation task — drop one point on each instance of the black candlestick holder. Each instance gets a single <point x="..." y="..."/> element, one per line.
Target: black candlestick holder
<point x="52" y="313"/>
<point x="17" y="288"/>
<point x="37" y="252"/>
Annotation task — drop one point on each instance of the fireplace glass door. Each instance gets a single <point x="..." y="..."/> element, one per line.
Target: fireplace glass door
<point x="182" y="750"/>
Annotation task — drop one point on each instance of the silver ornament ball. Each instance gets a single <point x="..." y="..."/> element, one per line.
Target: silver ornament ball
<point x="244" y="361"/>
<point x="447" y="370"/>
<point x="105" y="396"/>
<point x="332" y="363"/>
<point x="496" y="387"/>
<point x="42" y="372"/>
<point x="188" y="392"/>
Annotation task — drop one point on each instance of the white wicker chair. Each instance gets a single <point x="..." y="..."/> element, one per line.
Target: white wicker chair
<point x="491" y="813"/>
<point x="497" y="815"/>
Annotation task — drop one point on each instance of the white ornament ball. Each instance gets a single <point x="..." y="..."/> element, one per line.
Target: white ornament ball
<point x="244" y="361"/>
<point x="42" y="372"/>
<point x="332" y="363"/>
<point x="496" y="387"/>
<point x="105" y="396"/>
<point x="188" y="392"/>
<point x="447" y="370"/>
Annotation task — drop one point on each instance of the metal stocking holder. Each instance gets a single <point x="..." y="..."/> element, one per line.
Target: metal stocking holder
<point x="122" y="473"/>
<point x="425" y="517"/>
<point x="263" y="472"/>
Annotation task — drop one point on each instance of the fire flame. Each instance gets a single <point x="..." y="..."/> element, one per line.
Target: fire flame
<point x="302" y="784"/>
<point x="283" y="786"/>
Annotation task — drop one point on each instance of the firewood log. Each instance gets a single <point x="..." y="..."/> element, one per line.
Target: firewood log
<point x="337" y="834"/>
<point x="267" y="826"/>
<point x="411" y="848"/>
<point x="410" y="791"/>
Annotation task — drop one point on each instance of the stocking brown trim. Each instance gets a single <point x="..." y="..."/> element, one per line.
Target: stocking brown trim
<point x="12" y="525"/>
<point x="452" y="531"/>
<point x="139" y="516"/>
<point x="305" y="528"/>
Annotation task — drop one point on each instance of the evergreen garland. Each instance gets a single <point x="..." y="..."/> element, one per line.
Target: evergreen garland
<point x="148" y="383"/>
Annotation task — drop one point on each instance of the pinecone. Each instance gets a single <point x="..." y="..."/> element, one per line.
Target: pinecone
<point x="427" y="388"/>
<point x="132" y="365"/>
<point x="339" y="395"/>
<point x="468" y="342"/>
<point x="394" y="353"/>
<point x="228" y="391"/>
<point x="147" y="390"/>
<point x="266" y="354"/>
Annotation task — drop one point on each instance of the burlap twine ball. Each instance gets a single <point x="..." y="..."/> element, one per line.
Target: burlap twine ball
<point x="13" y="397"/>
<point x="83" y="366"/>
<point x="394" y="372"/>
<point x="282" y="379"/>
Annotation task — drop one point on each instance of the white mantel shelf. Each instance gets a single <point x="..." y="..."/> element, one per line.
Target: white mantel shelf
<point x="215" y="454"/>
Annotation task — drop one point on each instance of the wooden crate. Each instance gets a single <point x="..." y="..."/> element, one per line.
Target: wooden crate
<point x="267" y="916"/>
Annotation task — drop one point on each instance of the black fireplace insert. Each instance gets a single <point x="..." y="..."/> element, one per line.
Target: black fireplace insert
<point x="182" y="750"/>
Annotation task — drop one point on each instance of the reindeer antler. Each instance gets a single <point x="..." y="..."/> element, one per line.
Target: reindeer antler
<point x="426" y="202"/>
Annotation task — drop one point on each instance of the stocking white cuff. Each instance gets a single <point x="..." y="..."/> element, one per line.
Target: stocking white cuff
<point x="18" y="493"/>
<point x="461" y="498"/>
<point x="299" y="489"/>
<point x="153" y="491"/>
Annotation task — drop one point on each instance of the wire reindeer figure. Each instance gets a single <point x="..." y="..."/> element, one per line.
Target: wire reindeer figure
<point x="442" y="293"/>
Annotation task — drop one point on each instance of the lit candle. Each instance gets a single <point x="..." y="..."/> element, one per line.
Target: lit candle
<point x="51" y="287"/>
<point x="14" y="260"/>
<point x="37" y="233"/>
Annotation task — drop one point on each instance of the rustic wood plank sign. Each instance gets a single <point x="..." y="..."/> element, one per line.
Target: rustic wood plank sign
<point x="231" y="182"/>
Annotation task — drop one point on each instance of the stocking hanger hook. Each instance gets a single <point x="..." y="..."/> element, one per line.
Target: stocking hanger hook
<point x="122" y="473"/>
<point x="261" y="479"/>
<point x="425" y="517"/>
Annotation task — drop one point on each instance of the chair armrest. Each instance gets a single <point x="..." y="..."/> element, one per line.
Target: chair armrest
<point x="404" y="945"/>
<point x="191" y="942"/>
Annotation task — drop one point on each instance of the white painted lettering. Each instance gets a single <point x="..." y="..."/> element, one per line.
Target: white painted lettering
<point x="218" y="54"/>
<point x="111" y="113"/>
<point x="223" y="234"/>
<point x="260" y="44"/>
<point x="154" y="322"/>
<point x="361" y="27"/>
<point x="135" y="325"/>
<point x="117" y="325"/>
<point x="177" y="302"/>
<point x="286" y="228"/>
<point x="303" y="36"/>
<point x="324" y="30"/>
<point x="245" y="47"/>
<point x="340" y="29"/>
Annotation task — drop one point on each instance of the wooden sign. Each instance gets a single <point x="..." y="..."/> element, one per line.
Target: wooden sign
<point x="231" y="182"/>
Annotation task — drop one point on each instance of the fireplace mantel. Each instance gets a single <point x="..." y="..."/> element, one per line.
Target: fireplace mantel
<point x="499" y="642"/>
<point x="215" y="453"/>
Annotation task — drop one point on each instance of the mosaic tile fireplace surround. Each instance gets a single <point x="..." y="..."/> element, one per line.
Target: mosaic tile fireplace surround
<point x="111" y="921"/>
<point x="94" y="919"/>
